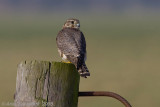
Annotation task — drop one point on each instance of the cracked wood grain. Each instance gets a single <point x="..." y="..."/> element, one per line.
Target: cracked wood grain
<point x="47" y="84"/>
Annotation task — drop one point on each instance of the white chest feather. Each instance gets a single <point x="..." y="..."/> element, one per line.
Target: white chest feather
<point x="64" y="57"/>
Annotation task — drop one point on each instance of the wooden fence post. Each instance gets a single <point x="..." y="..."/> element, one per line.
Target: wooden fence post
<point x="47" y="84"/>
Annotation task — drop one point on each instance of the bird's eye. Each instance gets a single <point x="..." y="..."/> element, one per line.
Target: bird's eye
<point x="72" y="22"/>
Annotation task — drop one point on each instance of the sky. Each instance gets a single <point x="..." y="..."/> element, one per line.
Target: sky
<point x="79" y="5"/>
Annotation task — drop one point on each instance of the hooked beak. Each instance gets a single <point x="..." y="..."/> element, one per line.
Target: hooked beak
<point x="78" y="25"/>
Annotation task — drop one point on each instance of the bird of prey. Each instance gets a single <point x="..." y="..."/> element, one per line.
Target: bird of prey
<point x="72" y="46"/>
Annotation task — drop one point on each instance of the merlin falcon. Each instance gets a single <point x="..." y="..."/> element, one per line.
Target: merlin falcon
<point x="72" y="46"/>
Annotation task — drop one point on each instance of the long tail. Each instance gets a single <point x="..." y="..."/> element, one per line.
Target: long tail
<point x="80" y="65"/>
<point x="83" y="71"/>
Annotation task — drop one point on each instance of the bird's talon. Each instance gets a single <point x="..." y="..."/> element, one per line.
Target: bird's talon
<point x="67" y="62"/>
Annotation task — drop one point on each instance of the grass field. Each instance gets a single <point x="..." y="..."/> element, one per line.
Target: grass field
<point x="123" y="55"/>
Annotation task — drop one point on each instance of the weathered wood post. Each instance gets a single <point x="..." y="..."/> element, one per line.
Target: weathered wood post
<point x="47" y="84"/>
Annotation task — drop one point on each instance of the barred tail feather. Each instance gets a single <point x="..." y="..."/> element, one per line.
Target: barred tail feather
<point x="84" y="72"/>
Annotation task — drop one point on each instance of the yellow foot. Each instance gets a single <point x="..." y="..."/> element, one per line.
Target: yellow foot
<point x="67" y="62"/>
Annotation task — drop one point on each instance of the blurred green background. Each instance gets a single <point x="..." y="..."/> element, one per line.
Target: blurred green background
<point x="123" y="49"/>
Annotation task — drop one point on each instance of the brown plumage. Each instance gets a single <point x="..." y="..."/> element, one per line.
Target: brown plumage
<point x="72" y="45"/>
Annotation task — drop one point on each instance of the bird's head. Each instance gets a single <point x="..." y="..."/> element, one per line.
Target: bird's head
<point x="72" y="23"/>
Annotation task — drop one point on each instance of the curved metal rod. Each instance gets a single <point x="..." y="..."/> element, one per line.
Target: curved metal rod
<point x="105" y="93"/>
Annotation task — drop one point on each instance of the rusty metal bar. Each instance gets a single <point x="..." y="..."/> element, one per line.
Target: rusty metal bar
<point x="105" y="93"/>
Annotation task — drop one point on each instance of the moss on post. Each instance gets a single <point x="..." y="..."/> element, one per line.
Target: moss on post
<point x="48" y="84"/>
